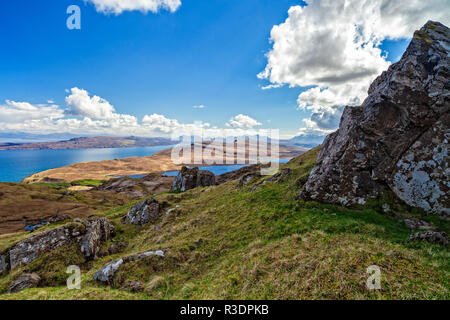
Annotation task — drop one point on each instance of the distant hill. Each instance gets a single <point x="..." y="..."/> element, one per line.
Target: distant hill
<point x="90" y="142"/>
<point x="304" y="141"/>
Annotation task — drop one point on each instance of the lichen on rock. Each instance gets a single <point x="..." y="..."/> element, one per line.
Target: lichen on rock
<point x="398" y="139"/>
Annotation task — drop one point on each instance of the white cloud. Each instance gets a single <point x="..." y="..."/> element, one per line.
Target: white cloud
<point x="92" y="107"/>
<point x="333" y="47"/>
<point x="119" y="6"/>
<point x="16" y="112"/>
<point x="91" y="114"/>
<point x="199" y="107"/>
<point x="242" y="121"/>
<point x="271" y="86"/>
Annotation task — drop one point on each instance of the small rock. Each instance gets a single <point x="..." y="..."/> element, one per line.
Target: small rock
<point x="106" y="274"/>
<point x="247" y="178"/>
<point x="418" y="225"/>
<point x="25" y="281"/>
<point x="116" y="247"/>
<point x="58" y="218"/>
<point x="134" y="286"/>
<point x="431" y="236"/>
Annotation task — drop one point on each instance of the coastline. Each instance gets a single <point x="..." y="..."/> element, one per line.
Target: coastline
<point x="160" y="162"/>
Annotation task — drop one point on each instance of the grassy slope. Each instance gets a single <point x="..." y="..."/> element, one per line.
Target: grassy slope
<point x="228" y="242"/>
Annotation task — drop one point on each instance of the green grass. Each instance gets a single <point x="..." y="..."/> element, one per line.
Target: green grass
<point x="65" y="185"/>
<point x="228" y="242"/>
<point x="88" y="183"/>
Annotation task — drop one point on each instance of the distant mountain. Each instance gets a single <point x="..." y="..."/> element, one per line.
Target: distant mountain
<point x="23" y="137"/>
<point x="304" y="141"/>
<point x="90" y="142"/>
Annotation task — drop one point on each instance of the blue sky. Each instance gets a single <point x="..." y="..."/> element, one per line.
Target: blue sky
<point x="207" y="52"/>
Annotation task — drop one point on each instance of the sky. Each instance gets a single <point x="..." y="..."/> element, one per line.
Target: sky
<point x="158" y="67"/>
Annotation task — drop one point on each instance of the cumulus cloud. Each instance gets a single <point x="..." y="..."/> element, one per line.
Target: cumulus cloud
<point x="119" y="6"/>
<point x="332" y="47"/>
<point x="16" y="112"/>
<point x="199" y="107"/>
<point x="92" y="107"/>
<point x="91" y="114"/>
<point x="242" y="121"/>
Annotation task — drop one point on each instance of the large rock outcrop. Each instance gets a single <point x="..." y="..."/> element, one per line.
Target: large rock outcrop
<point x="398" y="139"/>
<point x="192" y="178"/>
<point x="88" y="235"/>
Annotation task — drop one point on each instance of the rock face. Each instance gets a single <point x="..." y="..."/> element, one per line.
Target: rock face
<point x="398" y="139"/>
<point x="88" y="234"/>
<point x="25" y="281"/>
<point x="192" y="178"/>
<point x="143" y="212"/>
<point x="98" y="230"/>
<point x="28" y="250"/>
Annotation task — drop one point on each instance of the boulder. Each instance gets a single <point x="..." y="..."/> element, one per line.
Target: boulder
<point x="431" y="236"/>
<point x="192" y="178"/>
<point x="98" y="230"/>
<point x="143" y="212"/>
<point x="25" y="281"/>
<point x="398" y="139"/>
<point x="106" y="274"/>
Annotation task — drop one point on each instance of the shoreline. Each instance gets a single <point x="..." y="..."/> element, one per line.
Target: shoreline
<point x="160" y="162"/>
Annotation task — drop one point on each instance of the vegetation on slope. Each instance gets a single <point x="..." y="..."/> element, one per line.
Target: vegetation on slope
<point x="229" y="242"/>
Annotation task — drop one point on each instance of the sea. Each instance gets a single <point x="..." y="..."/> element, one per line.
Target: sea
<point x="18" y="164"/>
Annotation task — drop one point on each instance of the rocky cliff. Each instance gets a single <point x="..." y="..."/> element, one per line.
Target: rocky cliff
<point x="398" y="139"/>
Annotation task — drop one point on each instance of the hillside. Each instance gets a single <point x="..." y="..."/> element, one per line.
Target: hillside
<point x="287" y="249"/>
<point x="90" y="142"/>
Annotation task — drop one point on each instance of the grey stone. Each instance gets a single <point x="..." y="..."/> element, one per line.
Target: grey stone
<point x="90" y="234"/>
<point x="98" y="230"/>
<point x="28" y="250"/>
<point x="106" y="274"/>
<point x="144" y="212"/>
<point x="25" y="281"/>
<point x="431" y="236"/>
<point x="398" y="139"/>
<point x="192" y="178"/>
<point x="414" y="224"/>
